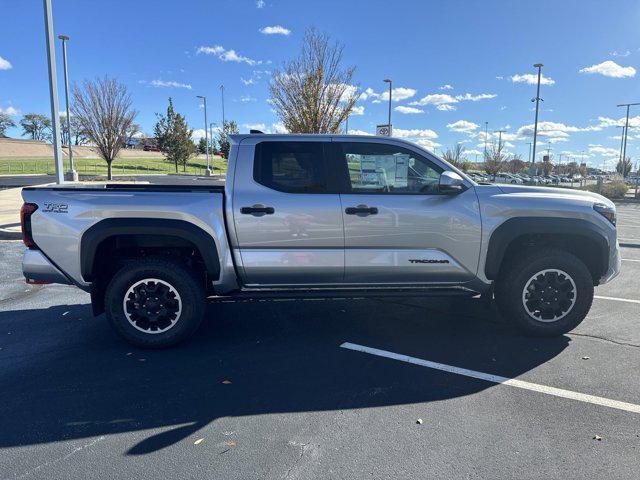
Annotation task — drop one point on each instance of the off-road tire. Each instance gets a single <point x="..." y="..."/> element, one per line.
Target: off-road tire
<point x="180" y="288"/>
<point x="519" y="272"/>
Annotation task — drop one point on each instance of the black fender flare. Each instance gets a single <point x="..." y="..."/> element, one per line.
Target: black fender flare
<point x="109" y="227"/>
<point x="513" y="228"/>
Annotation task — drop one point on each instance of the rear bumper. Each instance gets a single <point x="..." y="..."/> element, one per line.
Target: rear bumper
<point x="36" y="267"/>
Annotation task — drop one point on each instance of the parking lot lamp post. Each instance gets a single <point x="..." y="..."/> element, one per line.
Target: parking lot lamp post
<point x="626" y="128"/>
<point x="71" y="174"/>
<point x="388" y="80"/>
<point x="53" y="91"/>
<point x="206" y="134"/>
<point x="537" y="100"/>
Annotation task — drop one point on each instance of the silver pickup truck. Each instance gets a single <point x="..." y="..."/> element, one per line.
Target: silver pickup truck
<point x="321" y="216"/>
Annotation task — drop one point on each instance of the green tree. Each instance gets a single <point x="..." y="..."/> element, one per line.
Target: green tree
<point x="5" y="122"/>
<point x="202" y="145"/>
<point x="624" y="167"/>
<point x="222" y="140"/>
<point x="36" y="126"/>
<point x="174" y="137"/>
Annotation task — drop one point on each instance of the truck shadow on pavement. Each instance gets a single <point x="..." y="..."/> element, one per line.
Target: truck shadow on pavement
<point x="66" y="375"/>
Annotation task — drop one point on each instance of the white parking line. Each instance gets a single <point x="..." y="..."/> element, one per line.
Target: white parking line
<point x="558" y="392"/>
<point x="630" y="260"/>
<point x="616" y="299"/>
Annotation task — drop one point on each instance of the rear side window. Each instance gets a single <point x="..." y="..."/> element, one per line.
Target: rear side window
<point x="293" y="167"/>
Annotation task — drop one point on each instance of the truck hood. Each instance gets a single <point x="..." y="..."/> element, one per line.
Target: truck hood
<point x="556" y="193"/>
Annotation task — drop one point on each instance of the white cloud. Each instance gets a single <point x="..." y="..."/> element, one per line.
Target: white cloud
<point x="427" y="143"/>
<point x="554" y="129"/>
<point x="170" y="84"/>
<point x="10" y="110"/>
<point x="358" y="132"/>
<point x="446" y="87"/>
<point x="227" y="55"/>
<point x="249" y="81"/>
<point x="279" y="127"/>
<point x="357" y="110"/>
<point x="616" y="53"/>
<point x="5" y="64"/>
<point x="634" y="122"/>
<point x="531" y="79"/>
<point x="260" y="4"/>
<point x="473" y="152"/>
<point x="397" y="94"/>
<point x="440" y="99"/>
<point x="435" y="99"/>
<point x="426" y="133"/>
<point x="445" y="107"/>
<point x="462" y="126"/>
<point x="475" y="98"/>
<point x="255" y="126"/>
<point x="247" y="98"/>
<point x="604" y="151"/>
<point x="275" y="30"/>
<point x="408" y="110"/>
<point x="610" y="68"/>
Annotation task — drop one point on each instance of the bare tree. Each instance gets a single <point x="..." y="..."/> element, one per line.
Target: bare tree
<point x="515" y="164"/>
<point x="494" y="159"/>
<point x="103" y="108"/>
<point x="455" y="156"/>
<point x="313" y="92"/>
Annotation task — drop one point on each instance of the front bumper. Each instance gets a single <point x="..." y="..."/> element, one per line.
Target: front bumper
<point x="38" y="269"/>
<point x="615" y="262"/>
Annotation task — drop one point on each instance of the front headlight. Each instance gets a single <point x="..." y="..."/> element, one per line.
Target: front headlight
<point x="607" y="212"/>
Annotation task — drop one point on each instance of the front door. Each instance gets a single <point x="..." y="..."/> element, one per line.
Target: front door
<point x="398" y="228"/>
<point x="288" y="226"/>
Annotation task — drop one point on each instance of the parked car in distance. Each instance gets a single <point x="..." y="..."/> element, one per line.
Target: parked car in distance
<point x="150" y="148"/>
<point x="320" y="216"/>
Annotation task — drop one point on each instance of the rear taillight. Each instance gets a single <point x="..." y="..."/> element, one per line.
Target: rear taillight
<point x="25" y="221"/>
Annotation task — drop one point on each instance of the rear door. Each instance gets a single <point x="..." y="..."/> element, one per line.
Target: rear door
<point x="288" y="221"/>
<point x="398" y="228"/>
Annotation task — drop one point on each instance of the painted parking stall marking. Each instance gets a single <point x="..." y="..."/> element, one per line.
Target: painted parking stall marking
<point x="616" y="299"/>
<point x="535" y="387"/>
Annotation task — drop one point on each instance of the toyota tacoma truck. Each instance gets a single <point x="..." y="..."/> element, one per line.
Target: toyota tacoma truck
<point x="320" y="216"/>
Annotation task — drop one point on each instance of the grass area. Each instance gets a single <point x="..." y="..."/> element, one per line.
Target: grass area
<point x="96" y="166"/>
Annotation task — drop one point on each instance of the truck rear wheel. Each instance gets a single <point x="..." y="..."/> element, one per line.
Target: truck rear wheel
<point x="545" y="293"/>
<point x="154" y="302"/>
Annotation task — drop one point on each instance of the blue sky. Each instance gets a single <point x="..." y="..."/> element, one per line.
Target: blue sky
<point x="455" y="64"/>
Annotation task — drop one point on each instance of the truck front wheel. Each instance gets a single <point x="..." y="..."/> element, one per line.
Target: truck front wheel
<point x="154" y="302"/>
<point x="545" y="292"/>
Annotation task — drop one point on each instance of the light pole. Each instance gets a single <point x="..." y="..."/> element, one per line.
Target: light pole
<point x="211" y="134"/>
<point x="500" y="132"/>
<point x="537" y="100"/>
<point x="621" y="141"/>
<point x="486" y="133"/>
<point x="71" y="174"/>
<point x="529" y="143"/>
<point x="388" y="80"/>
<point x="626" y="128"/>
<point x="222" y="96"/>
<point x="206" y="133"/>
<point x="53" y="90"/>
<point x="346" y="126"/>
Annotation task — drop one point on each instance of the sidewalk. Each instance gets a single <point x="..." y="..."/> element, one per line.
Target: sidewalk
<point x="10" y="203"/>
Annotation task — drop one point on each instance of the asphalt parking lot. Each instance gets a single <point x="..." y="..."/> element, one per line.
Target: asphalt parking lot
<point x="268" y="389"/>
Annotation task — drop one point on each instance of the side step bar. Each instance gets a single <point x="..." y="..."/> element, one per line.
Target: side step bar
<point x="344" y="293"/>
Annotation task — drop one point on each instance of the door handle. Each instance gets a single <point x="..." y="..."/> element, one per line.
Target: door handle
<point x="361" y="210"/>
<point x="257" y="210"/>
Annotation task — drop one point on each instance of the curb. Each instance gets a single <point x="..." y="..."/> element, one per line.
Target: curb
<point x="10" y="234"/>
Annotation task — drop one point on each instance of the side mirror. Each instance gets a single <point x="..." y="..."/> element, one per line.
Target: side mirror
<point x="450" y="182"/>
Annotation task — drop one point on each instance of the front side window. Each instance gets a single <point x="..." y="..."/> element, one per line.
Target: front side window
<point x="293" y="167"/>
<point x="381" y="168"/>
